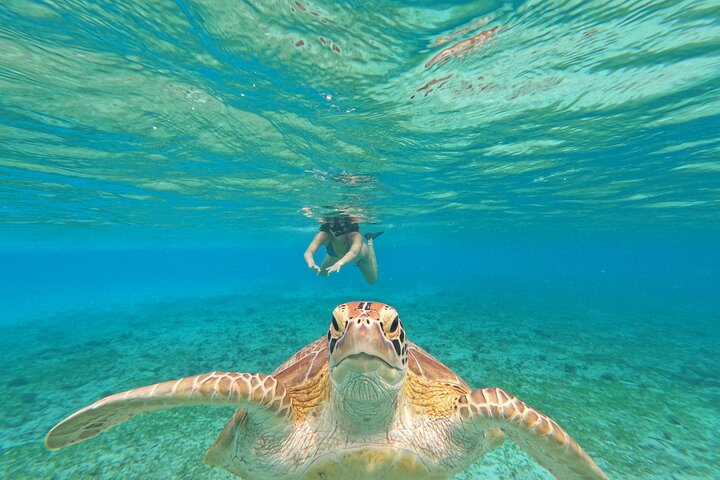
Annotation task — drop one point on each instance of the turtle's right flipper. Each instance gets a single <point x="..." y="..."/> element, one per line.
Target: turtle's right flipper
<point x="259" y="394"/>
<point x="538" y="435"/>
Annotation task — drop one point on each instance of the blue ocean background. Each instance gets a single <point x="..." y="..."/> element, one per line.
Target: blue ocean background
<point x="547" y="175"/>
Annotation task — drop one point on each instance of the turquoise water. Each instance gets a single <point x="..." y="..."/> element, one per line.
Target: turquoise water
<point x="547" y="175"/>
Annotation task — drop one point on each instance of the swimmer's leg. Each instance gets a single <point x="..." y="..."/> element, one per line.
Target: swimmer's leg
<point x="368" y="263"/>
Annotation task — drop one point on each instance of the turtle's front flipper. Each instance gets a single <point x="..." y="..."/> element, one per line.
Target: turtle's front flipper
<point x="538" y="435"/>
<point x="259" y="394"/>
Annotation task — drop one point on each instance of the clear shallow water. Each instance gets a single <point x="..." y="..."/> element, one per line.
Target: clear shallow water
<point x="547" y="174"/>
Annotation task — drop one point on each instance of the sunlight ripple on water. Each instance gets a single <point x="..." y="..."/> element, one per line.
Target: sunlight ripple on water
<point x="196" y="113"/>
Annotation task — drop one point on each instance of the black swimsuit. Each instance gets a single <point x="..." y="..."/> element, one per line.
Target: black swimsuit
<point x="338" y="227"/>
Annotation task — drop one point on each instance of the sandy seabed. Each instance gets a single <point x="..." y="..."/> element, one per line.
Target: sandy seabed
<point x="638" y="388"/>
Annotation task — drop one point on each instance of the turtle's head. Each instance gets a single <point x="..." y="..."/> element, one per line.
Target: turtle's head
<point x="367" y="348"/>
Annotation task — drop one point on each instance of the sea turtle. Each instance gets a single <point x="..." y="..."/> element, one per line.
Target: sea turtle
<point x="359" y="403"/>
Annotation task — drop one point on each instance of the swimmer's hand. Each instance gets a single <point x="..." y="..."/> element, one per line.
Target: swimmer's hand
<point x="312" y="266"/>
<point x="335" y="267"/>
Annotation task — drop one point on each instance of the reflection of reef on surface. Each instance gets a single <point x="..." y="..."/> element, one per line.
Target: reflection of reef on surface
<point x="461" y="49"/>
<point x="474" y="25"/>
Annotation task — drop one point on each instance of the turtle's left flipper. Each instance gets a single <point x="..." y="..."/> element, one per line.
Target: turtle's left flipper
<point x="261" y="395"/>
<point x="538" y="435"/>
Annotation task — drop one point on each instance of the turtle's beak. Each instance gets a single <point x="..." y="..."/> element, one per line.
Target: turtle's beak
<point x="364" y="345"/>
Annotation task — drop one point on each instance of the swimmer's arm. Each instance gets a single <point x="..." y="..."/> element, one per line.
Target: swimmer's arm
<point x="320" y="239"/>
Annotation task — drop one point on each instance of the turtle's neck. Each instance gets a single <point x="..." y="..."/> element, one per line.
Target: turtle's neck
<point x="363" y="405"/>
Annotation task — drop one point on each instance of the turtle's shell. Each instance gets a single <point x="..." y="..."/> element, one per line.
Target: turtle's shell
<point x="309" y="367"/>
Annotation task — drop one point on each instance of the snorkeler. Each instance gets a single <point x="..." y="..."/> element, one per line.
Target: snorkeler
<point x="344" y="244"/>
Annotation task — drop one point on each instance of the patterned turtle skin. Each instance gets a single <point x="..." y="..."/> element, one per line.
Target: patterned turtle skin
<point x="360" y="403"/>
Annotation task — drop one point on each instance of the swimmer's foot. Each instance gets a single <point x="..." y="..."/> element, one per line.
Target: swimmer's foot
<point x="372" y="236"/>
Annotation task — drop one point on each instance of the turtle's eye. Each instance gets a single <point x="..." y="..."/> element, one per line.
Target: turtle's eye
<point x="336" y="327"/>
<point x="392" y="327"/>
